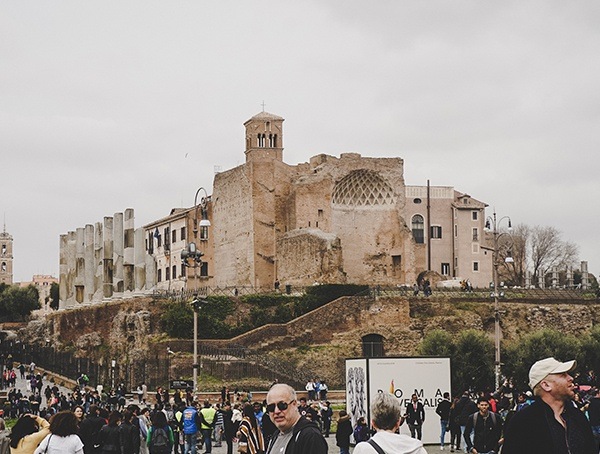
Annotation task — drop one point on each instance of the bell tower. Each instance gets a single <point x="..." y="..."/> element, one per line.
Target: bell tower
<point x="264" y="137"/>
<point x="6" y="257"/>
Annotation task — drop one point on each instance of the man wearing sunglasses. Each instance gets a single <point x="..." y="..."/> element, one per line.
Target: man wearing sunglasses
<point x="295" y="434"/>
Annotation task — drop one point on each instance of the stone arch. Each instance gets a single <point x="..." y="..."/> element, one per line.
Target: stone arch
<point x="372" y="346"/>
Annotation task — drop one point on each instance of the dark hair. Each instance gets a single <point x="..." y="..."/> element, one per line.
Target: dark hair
<point x="159" y="419"/>
<point x="127" y="416"/>
<point x="114" y="418"/>
<point x="64" y="423"/>
<point x="248" y="412"/>
<point x="483" y="399"/>
<point x="94" y="410"/>
<point x="26" y="425"/>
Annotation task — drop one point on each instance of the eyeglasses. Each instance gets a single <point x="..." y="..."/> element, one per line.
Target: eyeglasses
<point x="281" y="405"/>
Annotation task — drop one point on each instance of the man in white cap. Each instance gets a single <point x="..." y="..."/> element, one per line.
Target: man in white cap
<point x="551" y="424"/>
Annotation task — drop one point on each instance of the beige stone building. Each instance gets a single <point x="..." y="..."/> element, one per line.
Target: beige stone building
<point x="448" y="227"/>
<point x="6" y="257"/>
<point x="43" y="283"/>
<point x="168" y="237"/>
<point x="348" y="219"/>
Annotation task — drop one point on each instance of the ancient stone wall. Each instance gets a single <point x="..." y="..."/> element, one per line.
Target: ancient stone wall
<point x="310" y="255"/>
<point x="233" y="235"/>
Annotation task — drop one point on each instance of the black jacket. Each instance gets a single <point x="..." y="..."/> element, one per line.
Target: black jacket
<point x="487" y="432"/>
<point x="464" y="408"/>
<point x="130" y="438"/>
<point x="306" y="439"/>
<point x="415" y="416"/>
<point x="534" y="429"/>
<point x="344" y="430"/>
<point x="110" y="439"/>
<point x="443" y="410"/>
<point x="89" y="432"/>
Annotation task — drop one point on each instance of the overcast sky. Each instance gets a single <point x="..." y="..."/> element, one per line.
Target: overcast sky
<point x="107" y="105"/>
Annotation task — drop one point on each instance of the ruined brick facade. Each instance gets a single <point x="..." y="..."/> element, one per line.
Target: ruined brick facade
<point x="336" y="220"/>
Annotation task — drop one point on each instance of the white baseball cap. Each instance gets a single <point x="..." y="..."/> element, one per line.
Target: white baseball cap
<point x="545" y="367"/>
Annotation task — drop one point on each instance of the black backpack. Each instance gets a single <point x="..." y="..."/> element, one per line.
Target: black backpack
<point x="159" y="441"/>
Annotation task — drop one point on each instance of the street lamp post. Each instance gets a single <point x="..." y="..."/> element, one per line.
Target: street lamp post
<point x="113" y="364"/>
<point x="191" y="253"/>
<point x="492" y="223"/>
<point x="169" y="353"/>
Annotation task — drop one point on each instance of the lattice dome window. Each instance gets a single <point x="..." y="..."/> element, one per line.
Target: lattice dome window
<point x="363" y="188"/>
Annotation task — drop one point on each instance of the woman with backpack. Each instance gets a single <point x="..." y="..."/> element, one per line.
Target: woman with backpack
<point x="361" y="431"/>
<point x="160" y="436"/>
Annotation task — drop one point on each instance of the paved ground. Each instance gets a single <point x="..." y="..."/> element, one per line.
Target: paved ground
<point x="333" y="449"/>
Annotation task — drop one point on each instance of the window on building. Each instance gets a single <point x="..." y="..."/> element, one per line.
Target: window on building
<point x="436" y="231"/>
<point x="159" y="276"/>
<point x="182" y="234"/>
<point x="417" y="201"/>
<point x="274" y="140"/>
<point x="158" y="241"/>
<point x="474" y="215"/>
<point x="204" y="269"/>
<point x="445" y="269"/>
<point x="418" y="229"/>
<point x="475" y="266"/>
<point x="320" y="214"/>
<point x="174" y="272"/>
<point x="396" y="265"/>
<point x="167" y="274"/>
<point x="174" y="236"/>
<point x="372" y="346"/>
<point x="475" y="234"/>
<point x="203" y="232"/>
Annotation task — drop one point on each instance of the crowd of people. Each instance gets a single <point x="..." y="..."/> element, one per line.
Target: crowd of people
<point x="556" y="416"/>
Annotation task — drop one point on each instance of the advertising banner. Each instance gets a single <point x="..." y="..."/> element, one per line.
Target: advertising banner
<point x="428" y="378"/>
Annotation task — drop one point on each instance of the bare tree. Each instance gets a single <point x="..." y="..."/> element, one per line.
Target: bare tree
<point x="533" y="248"/>
<point x="547" y="249"/>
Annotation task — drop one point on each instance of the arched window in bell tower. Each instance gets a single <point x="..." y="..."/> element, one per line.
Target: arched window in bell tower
<point x="274" y="140"/>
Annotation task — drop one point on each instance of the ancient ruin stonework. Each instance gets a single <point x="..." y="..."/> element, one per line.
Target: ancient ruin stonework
<point x="352" y="208"/>
<point x="105" y="261"/>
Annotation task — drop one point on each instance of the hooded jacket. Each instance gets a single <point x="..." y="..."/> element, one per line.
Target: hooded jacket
<point x="344" y="430"/>
<point x="391" y="442"/>
<point x="306" y="439"/>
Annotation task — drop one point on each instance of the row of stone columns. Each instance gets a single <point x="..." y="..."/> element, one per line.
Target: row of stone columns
<point x="105" y="261"/>
<point x="585" y="278"/>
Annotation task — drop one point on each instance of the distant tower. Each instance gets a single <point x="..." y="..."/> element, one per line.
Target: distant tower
<point x="6" y="257"/>
<point x="264" y="137"/>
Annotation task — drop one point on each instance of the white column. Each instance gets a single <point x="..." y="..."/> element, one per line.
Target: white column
<point x="129" y="251"/>
<point x="118" y="255"/>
